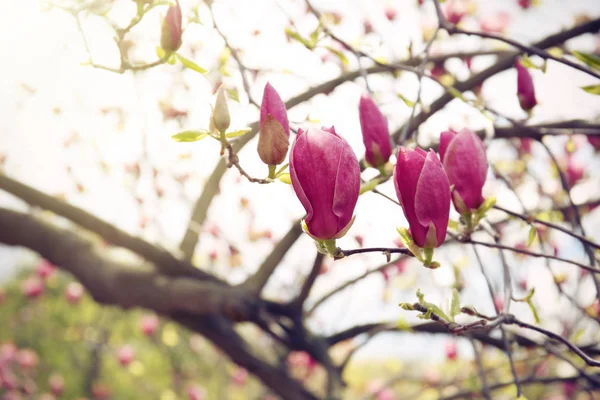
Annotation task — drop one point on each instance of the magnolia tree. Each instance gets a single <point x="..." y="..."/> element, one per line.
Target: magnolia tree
<point x="467" y="178"/>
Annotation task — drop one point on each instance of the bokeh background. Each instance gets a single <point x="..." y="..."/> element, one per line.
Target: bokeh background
<point x="101" y="141"/>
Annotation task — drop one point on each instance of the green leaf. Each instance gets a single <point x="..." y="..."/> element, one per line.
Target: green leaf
<point x="190" y="136"/>
<point x="486" y="206"/>
<point x="339" y="55"/>
<point x="283" y="168"/>
<point x="233" y="94"/>
<point x="528" y="63"/>
<point x="190" y="64"/>
<point x="455" y="92"/>
<point x="592" y="89"/>
<point x="406" y="101"/>
<point x="556" y="52"/>
<point x="536" y="316"/>
<point x="430" y="307"/>
<point x="592" y="60"/>
<point x="296" y="36"/>
<point x="578" y="335"/>
<point x="241" y="132"/>
<point x="172" y="59"/>
<point x="532" y="235"/>
<point x="409" y="243"/>
<point x="455" y="306"/>
<point x="160" y="52"/>
<point x="285" y="178"/>
<point x="314" y="36"/>
<point x="452" y="224"/>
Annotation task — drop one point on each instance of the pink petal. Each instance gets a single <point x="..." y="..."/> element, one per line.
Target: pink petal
<point x="347" y="186"/>
<point x="466" y="165"/>
<point x="432" y="197"/>
<point x="272" y="104"/>
<point x="445" y="139"/>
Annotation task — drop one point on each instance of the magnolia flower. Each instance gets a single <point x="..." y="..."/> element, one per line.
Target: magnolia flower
<point x="170" y="39"/>
<point x="325" y="175"/>
<point x="376" y="135"/>
<point x="465" y="162"/>
<point x="424" y="193"/>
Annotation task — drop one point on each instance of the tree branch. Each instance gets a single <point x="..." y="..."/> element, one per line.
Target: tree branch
<point x="532" y="254"/>
<point x="469" y="394"/>
<point x="164" y="261"/>
<point x="298" y="302"/>
<point x="257" y="282"/>
<point x="222" y="335"/>
<point x="110" y="282"/>
<point x="501" y="64"/>
<point x="531" y="219"/>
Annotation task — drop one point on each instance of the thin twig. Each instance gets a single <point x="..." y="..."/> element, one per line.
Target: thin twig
<point x="531" y="219"/>
<point x="531" y="254"/>
<point x="482" y="376"/>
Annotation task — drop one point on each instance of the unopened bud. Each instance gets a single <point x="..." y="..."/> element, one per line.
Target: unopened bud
<point x="273" y="142"/>
<point x="220" y="114"/>
<point x="170" y="38"/>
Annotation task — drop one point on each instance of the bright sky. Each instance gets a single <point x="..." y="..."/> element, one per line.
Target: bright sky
<point x="47" y="97"/>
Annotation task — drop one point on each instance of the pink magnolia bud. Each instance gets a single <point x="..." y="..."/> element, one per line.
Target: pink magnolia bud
<point x="524" y="146"/>
<point x="170" y="39"/>
<point x="73" y="292"/>
<point x="240" y="376"/>
<point x="32" y="287"/>
<point x="465" y="163"/>
<point x="523" y="284"/>
<point x="495" y="23"/>
<point x="423" y="190"/>
<point x="56" y="384"/>
<point x="8" y="352"/>
<point x="451" y="351"/>
<point x="27" y="359"/>
<point x="398" y="242"/>
<point x="438" y="70"/>
<point x="45" y="269"/>
<point x="274" y="135"/>
<point x="326" y="178"/>
<point x="525" y="88"/>
<point x="8" y="379"/>
<point x="376" y="135"/>
<point x="386" y="394"/>
<point x="386" y="276"/>
<point x="298" y="359"/>
<point x="359" y="240"/>
<point x="594" y="141"/>
<point x="149" y="324"/>
<point x="196" y="393"/>
<point x="455" y="10"/>
<point x="498" y="304"/>
<point x="390" y="13"/>
<point x="401" y="266"/>
<point x="125" y="354"/>
<point x="100" y="391"/>
<point x="525" y="4"/>
<point x="574" y="172"/>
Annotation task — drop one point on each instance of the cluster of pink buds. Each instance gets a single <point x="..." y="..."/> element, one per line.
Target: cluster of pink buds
<point x="325" y="175"/>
